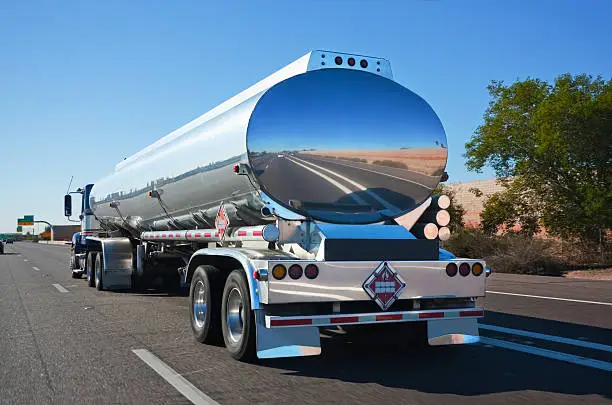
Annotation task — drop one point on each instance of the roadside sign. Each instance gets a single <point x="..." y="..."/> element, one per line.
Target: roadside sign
<point x="19" y="228"/>
<point x="27" y="220"/>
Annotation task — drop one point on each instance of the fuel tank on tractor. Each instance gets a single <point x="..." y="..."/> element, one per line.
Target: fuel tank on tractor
<point x="342" y="144"/>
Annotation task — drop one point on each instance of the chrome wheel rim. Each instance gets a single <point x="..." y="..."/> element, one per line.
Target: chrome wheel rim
<point x="235" y="315"/>
<point x="199" y="304"/>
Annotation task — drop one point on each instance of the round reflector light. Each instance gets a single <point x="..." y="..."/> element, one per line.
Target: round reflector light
<point x="364" y="63"/>
<point x="338" y="60"/>
<point x="444" y="233"/>
<point x="464" y="269"/>
<point x="351" y="61"/>
<point x="279" y="272"/>
<point x="451" y="269"/>
<point x="477" y="269"/>
<point x="295" y="271"/>
<point x="311" y="271"/>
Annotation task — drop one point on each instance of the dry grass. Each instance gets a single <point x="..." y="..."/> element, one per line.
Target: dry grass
<point x="421" y="160"/>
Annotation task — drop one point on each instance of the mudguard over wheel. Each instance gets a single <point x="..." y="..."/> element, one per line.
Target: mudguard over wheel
<point x="205" y="304"/>
<point x="75" y="272"/>
<point x="91" y="268"/>
<point x="237" y="319"/>
<point x="99" y="279"/>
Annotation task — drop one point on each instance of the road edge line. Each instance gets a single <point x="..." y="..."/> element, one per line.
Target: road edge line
<point x="550" y="354"/>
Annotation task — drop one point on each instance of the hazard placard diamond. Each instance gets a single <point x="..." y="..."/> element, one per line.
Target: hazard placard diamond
<point x="384" y="285"/>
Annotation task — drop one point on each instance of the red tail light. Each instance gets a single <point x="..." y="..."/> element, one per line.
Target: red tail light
<point x="338" y="60"/>
<point x="295" y="271"/>
<point x="351" y="61"/>
<point x="364" y="63"/>
<point x="464" y="269"/>
<point x="311" y="271"/>
<point x="451" y="269"/>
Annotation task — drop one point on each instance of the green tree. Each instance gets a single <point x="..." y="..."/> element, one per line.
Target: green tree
<point x="555" y="142"/>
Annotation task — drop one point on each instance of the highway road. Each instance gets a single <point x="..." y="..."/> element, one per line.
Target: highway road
<point x="337" y="181"/>
<point x="545" y="341"/>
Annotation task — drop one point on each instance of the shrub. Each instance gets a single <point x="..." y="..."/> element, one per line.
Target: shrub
<point x="510" y="253"/>
<point x="390" y="163"/>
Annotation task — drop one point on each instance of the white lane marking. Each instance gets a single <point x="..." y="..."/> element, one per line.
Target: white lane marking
<point x="550" y="298"/>
<point x="60" y="288"/>
<point x="551" y="338"/>
<point x="374" y="171"/>
<point x="385" y="203"/>
<point x="345" y="190"/>
<point x="179" y="382"/>
<point x="35" y="268"/>
<point x="569" y="358"/>
<point x="25" y="260"/>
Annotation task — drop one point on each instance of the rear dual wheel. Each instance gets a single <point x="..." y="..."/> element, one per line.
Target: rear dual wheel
<point x="99" y="280"/>
<point x="237" y="318"/>
<point x="222" y="311"/>
<point x="91" y="268"/>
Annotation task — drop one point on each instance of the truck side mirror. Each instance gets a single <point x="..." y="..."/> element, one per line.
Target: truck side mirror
<point x="68" y="205"/>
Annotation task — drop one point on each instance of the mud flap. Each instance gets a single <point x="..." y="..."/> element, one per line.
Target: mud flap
<point x="452" y="331"/>
<point x="285" y="342"/>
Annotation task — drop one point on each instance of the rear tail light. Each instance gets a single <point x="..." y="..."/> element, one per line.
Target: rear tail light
<point x="451" y="269"/>
<point x="295" y="271"/>
<point x="351" y="61"/>
<point x="279" y="272"/>
<point x="338" y="60"/>
<point x="464" y="269"/>
<point x="311" y="271"/>
<point x="477" y="269"/>
<point x="364" y="63"/>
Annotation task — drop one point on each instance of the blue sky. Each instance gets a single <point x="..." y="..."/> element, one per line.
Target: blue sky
<point x="84" y="84"/>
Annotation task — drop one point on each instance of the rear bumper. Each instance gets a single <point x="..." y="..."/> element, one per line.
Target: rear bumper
<point x="371" y="318"/>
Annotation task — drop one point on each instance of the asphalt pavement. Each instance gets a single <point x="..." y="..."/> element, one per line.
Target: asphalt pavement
<point x="545" y="340"/>
<point x="337" y="181"/>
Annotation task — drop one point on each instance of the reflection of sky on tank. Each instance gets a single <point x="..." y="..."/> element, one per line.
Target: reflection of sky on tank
<point x="342" y="110"/>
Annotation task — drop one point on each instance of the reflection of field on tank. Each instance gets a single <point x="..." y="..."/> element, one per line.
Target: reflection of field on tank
<point x="427" y="161"/>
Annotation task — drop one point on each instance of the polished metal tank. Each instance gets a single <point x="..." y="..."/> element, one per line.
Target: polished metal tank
<point x="322" y="138"/>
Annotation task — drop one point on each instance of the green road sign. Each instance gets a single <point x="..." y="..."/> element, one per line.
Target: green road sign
<point x="27" y="220"/>
<point x="19" y="229"/>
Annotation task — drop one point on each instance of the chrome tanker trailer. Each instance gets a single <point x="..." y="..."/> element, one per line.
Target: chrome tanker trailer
<point x="303" y="202"/>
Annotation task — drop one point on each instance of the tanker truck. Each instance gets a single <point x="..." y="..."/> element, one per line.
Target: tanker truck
<point x="303" y="202"/>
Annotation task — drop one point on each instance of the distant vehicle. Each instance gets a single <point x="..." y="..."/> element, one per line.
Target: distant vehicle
<point x="270" y="255"/>
<point x="1" y="247"/>
<point x="9" y="240"/>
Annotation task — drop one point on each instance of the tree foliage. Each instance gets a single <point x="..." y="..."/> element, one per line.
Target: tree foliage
<point x="555" y="142"/>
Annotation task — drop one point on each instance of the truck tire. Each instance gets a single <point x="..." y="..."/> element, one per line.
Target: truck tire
<point x="99" y="278"/>
<point x="75" y="274"/>
<point x="91" y="268"/>
<point x="237" y="319"/>
<point x="205" y="304"/>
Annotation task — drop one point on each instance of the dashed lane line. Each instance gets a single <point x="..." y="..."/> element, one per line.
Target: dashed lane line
<point x="182" y="385"/>
<point x="60" y="288"/>
<point x="35" y="268"/>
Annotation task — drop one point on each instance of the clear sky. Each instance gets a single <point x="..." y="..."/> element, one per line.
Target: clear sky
<point x="85" y="83"/>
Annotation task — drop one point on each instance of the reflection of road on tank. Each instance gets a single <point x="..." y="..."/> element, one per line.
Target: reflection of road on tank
<point x="297" y="177"/>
